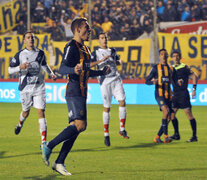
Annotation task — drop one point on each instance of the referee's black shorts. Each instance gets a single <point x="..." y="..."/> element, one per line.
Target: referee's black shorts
<point x="76" y="108"/>
<point x="181" y="100"/>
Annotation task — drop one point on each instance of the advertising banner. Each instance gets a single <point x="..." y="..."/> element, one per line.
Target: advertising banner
<point x="135" y="93"/>
<point x="192" y="47"/>
<point x="135" y="56"/>
<point x="9" y="15"/>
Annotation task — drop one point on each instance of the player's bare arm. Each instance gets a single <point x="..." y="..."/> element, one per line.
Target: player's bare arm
<point x="92" y="64"/>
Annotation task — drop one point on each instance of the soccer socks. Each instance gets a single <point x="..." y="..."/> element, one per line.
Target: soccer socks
<point x="67" y="145"/>
<point x="175" y="125"/>
<point x="193" y="126"/>
<point x="68" y="133"/>
<point x="21" y="120"/>
<point x="43" y="129"/>
<point x="165" y="126"/>
<point x="106" y="120"/>
<point x="122" y="117"/>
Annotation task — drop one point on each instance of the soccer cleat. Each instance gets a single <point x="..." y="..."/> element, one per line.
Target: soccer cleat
<point x="107" y="140"/>
<point x="157" y="140"/>
<point x="175" y="136"/>
<point x="124" y="134"/>
<point x="60" y="168"/>
<point x="167" y="140"/>
<point x="17" y="129"/>
<point x="46" y="152"/>
<point x="193" y="139"/>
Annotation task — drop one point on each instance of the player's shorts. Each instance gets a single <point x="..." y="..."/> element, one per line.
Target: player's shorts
<point x="114" y="88"/>
<point x="76" y="108"/>
<point x="162" y="101"/>
<point x="181" y="100"/>
<point x="29" y="99"/>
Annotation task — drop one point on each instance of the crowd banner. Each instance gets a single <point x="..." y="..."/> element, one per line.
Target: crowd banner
<point x="10" y="45"/>
<point x="192" y="47"/>
<point x="197" y="27"/>
<point x="135" y="56"/>
<point x="9" y="15"/>
<point x="135" y="93"/>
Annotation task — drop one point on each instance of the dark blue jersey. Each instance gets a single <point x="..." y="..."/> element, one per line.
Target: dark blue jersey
<point x="183" y="72"/>
<point x="76" y="53"/>
<point x="165" y="75"/>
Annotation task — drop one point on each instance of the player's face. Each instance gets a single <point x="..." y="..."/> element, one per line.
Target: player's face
<point x="103" y="39"/>
<point x="176" y="58"/>
<point x="29" y="40"/>
<point x="84" y="31"/>
<point x="163" y="56"/>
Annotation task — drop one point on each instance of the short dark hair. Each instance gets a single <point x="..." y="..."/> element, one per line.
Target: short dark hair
<point x="77" y="23"/>
<point x="101" y="34"/>
<point x="27" y="32"/>
<point x="162" y="50"/>
<point x="177" y="52"/>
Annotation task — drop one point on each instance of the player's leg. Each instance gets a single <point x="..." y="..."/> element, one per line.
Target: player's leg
<point x="106" y="92"/>
<point x="119" y="94"/>
<point x="176" y="135"/>
<point x="26" y="101"/>
<point x="193" y="124"/>
<point x="39" y="102"/>
<point x="77" y="118"/>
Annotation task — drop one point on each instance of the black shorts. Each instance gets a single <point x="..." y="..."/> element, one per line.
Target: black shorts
<point x="162" y="101"/>
<point x="76" y="108"/>
<point x="181" y="100"/>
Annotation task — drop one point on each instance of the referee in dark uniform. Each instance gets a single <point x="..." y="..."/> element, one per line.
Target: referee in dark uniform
<point x="181" y="98"/>
<point x="76" y="64"/>
<point x="162" y="75"/>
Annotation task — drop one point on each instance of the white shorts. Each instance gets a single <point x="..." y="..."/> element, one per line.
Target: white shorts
<point x="114" y="88"/>
<point x="30" y="99"/>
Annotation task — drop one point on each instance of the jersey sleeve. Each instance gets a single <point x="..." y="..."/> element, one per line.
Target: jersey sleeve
<point x="15" y="61"/>
<point x="189" y="71"/>
<point x="93" y="56"/>
<point x="44" y="62"/>
<point x="151" y="75"/>
<point x="69" y="61"/>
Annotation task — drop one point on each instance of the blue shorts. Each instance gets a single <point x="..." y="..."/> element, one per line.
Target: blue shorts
<point x="76" y="108"/>
<point x="162" y="101"/>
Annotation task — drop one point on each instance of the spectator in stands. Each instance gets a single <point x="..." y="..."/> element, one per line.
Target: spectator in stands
<point x="39" y="13"/>
<point x="135" y="30"/>
<point x="57" y="34"/>
<point x="106" y="25"/>
<point x="21" y="28"/>
<point x="160" y="11"/>
<point x="186" y="15"/>
<point x="170" y="13"/>
<point x="23" y="14"/>
<point x="196" y="12"/>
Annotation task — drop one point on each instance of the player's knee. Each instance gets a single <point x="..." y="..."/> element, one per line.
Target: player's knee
<point x="80" y="125"/>
<point x="41" y="113"/>
<point x="122" y="103"/>
<point x="25" y="114"/>
<point x="106" y="109"/>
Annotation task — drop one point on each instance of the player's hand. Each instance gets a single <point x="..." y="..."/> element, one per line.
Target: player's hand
<point x="78" y="69"/>
<point x="54" y="77"/>
<point x="24" y="66"/>
<point x="105" y="58"/>
<point x="180" y="82"/>
<point x="106" y="70"/>
<point x="155" y="81"/>
<point x="118" y="62"/>
<point x="193" y="94"/>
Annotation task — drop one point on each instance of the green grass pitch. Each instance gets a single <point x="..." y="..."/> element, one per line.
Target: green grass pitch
<point x="134" y="158"/>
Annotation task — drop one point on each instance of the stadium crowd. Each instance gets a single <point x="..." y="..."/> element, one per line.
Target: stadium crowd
<point x="121" y="19"/>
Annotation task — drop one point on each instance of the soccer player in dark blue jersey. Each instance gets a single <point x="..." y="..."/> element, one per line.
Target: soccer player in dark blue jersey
<point x="162" y="76"/>
<point x="181" y="97"/>
<point x="76" y="64"/>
